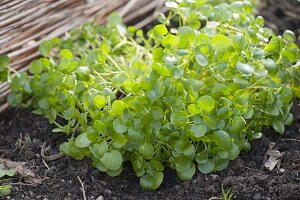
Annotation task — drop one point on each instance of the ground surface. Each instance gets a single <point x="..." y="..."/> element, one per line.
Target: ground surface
<point x="281" y="15"/>
<point x="22" y="135"/>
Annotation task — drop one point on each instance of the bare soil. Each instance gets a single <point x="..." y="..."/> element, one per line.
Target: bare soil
<point x="282" y="15"/>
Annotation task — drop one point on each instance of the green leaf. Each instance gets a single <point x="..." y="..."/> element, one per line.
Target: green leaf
<point x="66" y="54"/>
<point x="289" y="36"/>
<point x="100" y="127"/>
<point x="112" y="160"/>
<point x="206" y="103"/>
<point x="45" y="48"/>
<point x="6" y="172"/>
<point x="44" y="104"/>
<point x="198" y="130"/>
<point x="119" y="127"/>
<point x="4" y="62"/>
<point x="148" y="182"/>
<point x="82" y="140"/>
<point x="115" y="172"/>
<point x="105" y="47"/>
<point x="99" y="101"/>
<point x="69" y="149"/>
<point x="156" y="165"/>
<point x="238" y="123"/>
<point x="117" y="109"/>
<point x="289" y="119"/>
<point x="157" y="113"/>
<point x="245" y="68"/>
<point x="119" y="140"/>
<point x="14" y="99"/>
<point x="186" y="37"/>
<point x="278" y="126"/>
<point x="146" y="150"/>
<point x="171" y="4"/>
<point x="221" y="139"/>
<point x="234" y="151"/>
<point x="220" y="42"/>
<point x="160" y="30"/>
<point x="188" y="174"/>
<point x="182" y="163"/>
<point x="207" y="167"/>
<point x="99" y="149"/>
<point x="180" y="118"/>
<point x="270" y="65"/>
<point x="194" y="109"/>
<point x="201" y="59"/>
<point x="157" y="54"/>
<point x="273" y="46"/>
<point x="36" y="67"/>
<point x="171" y="40"/>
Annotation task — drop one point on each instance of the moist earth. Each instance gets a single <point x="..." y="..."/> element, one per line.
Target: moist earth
<point x="23" y="134"/>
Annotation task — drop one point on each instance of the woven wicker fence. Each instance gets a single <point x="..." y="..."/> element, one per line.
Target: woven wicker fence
<point x="24" y="24"/>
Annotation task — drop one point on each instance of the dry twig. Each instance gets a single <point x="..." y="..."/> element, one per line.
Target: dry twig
<point x="82" y="188"/>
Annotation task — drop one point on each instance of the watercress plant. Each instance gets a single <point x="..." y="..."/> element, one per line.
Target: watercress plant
<point x="189" y="94"/>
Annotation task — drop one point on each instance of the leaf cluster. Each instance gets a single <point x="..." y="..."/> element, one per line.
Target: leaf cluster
<point x="189" y="97"/>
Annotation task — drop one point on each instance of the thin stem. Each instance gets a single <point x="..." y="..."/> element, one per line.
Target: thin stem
<point x="114" y="62"/>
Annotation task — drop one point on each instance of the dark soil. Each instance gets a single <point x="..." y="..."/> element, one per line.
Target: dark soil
<point x="282" y="15"/>
<point x="22" y="135"/>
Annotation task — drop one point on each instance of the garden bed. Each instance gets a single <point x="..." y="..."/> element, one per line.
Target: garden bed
<point x="23" y="135"/>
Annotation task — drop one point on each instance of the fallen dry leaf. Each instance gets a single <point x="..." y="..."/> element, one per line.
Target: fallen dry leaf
<point x="21" y="169"/>
<point x="274" y="159"/>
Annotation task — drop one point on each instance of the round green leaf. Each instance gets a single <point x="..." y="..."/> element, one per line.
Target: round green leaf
<point x="45" y="48"/>
<point x="117" y="109"/>
<point x="186" y="37"/>
<point x="206" y="103"/>
<point x="82" y="140"/>
<point x="99" y="101"/>
<point x="146" y="150"/>
<point x="186" y="175"/>
<point x="4" y="62"/>
<point x="234" y="151"/>
<point x="289" y="36"/>
<point x="157" y="113"/>
<point x="148" y="182"/>
<point x="100" y="126"/>
<point x="160" y="30"/>
<point x="278" y="126"/>
<point x="36" y="67"/>
<point x="99" y="149"/>
<point x="201" y="59"/>
<point x="221" y="139"/>
<point x="44" y="104"/>
<point x="220" y="42"/>
<point x="171" y="40"/>
<point x="180" y="118"/>
<point x="245" y="68"/>
<point x="171" y="4"/>
<point x="66" y="54"/>
<point x="198" y="130"/>
<point x="207" y="167"/>
<point x="119" y="126"/>
<point x="115" y="172"/>
<point x="112" y="160"/>
<point x="238" y="123"/>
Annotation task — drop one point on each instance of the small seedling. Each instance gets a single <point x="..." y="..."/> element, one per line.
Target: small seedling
<point x="5" y="190"/>
<point x="226" y="195"/>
